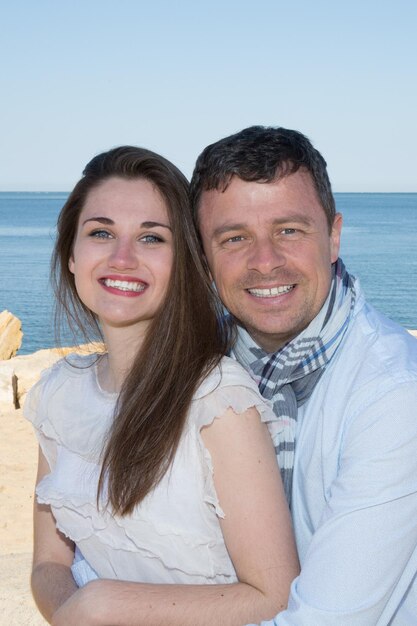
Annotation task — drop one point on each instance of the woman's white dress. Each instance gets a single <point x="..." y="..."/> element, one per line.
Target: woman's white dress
<point x="174" y="535"/>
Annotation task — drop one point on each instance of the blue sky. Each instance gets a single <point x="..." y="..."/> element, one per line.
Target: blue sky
<point x="79" y="77"/>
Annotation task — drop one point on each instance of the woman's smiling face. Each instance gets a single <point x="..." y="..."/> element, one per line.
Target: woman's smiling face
<point x="123" y="253"/>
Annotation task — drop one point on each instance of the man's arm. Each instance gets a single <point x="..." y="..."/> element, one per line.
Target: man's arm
<point x="52" y="581"/>
<point x="363" y="555"/>
<point x="258" y="536"/>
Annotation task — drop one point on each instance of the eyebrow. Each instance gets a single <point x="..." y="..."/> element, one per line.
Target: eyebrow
<point x="109" y="222"/>
<point x="226" y="228"/>
<point x="297" y="218"/>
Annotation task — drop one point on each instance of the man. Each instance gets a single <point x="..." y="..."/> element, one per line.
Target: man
<point x="342" y="377"/>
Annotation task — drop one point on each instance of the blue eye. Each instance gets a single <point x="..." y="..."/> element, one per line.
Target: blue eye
<point x="151" y="239"/>
<point x="100" y="234"/>
<point x="289" y="231"/>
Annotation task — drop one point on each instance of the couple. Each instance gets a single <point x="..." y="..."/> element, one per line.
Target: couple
<point x="132" y="506"/>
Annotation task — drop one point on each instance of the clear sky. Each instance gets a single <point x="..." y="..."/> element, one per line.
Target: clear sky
<point x="81" y="76"/>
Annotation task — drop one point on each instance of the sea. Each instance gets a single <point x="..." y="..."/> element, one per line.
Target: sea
<point x="379" y="245"/>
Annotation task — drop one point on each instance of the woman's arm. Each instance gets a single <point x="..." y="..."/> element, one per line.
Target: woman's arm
<point x="257" y="526"/>
<point x="258" y="536"/>
<point x="53" y="554"/>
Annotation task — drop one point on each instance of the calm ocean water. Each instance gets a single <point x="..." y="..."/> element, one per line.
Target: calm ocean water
<point x="378" y="245"/>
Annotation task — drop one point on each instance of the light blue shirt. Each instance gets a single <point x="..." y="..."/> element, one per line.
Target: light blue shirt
<point x="354" y="501"/>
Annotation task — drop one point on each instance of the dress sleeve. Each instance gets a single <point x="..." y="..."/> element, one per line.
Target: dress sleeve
<point x="37" y="410"/>
<point x="228" y="387"/>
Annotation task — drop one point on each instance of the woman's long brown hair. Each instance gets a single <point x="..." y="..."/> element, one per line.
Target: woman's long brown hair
<point x="184" y="342"/>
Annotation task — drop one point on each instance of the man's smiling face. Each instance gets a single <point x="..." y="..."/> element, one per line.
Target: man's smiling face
<point x="270" y="253"/>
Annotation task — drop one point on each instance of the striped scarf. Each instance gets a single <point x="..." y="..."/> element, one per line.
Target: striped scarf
<point x="288" y="377"/>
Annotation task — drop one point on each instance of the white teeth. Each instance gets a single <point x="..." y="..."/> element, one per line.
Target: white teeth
<point x="271" y="293"/>
<point x="124" y="285"/>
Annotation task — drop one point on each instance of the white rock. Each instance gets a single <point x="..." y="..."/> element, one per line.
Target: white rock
<point x="10" y="335"/>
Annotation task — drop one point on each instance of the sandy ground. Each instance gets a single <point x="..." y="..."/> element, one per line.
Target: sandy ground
<point x="18" y="458"/>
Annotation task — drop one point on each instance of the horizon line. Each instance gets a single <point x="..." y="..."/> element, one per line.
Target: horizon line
<point x="69" y="191"/>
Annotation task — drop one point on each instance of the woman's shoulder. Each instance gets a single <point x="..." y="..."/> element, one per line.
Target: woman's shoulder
<point x="228" y="373"/>
<point x="67" y="406"/>
<point x="228" y="386"/>
<point x="72" y="363"/>
<point x="69" y="366"/>
<point x="75" y="364"/>
<point x="56" y="377"/>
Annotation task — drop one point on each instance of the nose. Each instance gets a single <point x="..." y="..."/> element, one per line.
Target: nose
<point x="266" y="256"/>
<point x="124" y="255"/>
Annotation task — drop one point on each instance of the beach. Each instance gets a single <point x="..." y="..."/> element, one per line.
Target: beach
<point x="18" y="463"/>
<point x="18" y="459"/>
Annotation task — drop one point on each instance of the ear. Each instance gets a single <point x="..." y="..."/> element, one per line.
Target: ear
<point x="71" y="264"/>
<point x="335" y="237"/>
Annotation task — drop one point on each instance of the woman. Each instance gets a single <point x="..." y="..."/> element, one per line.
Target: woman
<point x="129" y="440"/>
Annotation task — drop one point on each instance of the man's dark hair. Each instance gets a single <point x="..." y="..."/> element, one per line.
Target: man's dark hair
<point x="261" y="154"/>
